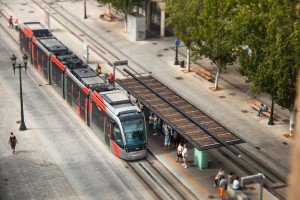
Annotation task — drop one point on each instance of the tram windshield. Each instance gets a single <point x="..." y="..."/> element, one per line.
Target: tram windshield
<point x="134" y="130"/>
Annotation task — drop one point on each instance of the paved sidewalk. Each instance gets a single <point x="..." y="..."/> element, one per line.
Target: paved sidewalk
<point x="228" y="106"/>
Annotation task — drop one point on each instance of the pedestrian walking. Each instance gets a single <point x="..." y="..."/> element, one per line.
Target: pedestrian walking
<point x="184" y="155"/>
<point x="10" y="22"/>
<point x="223" y="188"/>
<point x="218" y="176"/>
<point x="151" y="122"/>
<point x="179" y="152"/>
<point x="12" y="141"/>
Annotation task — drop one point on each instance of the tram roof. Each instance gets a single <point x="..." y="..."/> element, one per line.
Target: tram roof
<point x="52" y="44"/>
<point x="38" y="29"/>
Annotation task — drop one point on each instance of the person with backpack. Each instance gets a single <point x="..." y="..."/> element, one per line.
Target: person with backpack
<point x="12" y="141"/>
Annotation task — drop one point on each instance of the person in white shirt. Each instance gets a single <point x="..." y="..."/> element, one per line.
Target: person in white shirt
<point x="184" y="155"/>
<point x="236" y="184"/>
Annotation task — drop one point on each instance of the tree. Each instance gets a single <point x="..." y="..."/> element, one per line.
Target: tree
<point x="182" y="16"/>
<point x="124" y="6"/>
<point x="271" y="29"/>
<point x="213" y="37"/>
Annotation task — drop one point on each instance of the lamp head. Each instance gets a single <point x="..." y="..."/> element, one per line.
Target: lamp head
<point x="13" y="59"/>
<point x="25" y="59"/>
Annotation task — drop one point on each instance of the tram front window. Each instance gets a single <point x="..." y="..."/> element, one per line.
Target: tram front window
<point x="134" y="130"/>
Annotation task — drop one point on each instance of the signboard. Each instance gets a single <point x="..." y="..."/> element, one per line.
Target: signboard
<point x="85" y="52"/>
<point x="120" y="62"/>
<point x="177" y="42"/>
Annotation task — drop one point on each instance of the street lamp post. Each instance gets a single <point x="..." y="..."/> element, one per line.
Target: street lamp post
<point x="13" y="61"/>
<point x="270" y="122"/>
<point x="177" y="43"/>
<point x="85" y="17"/>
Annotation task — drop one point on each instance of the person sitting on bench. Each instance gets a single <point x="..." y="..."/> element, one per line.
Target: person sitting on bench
<point x="262" y="108"/>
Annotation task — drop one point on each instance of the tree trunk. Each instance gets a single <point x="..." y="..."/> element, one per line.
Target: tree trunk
<point x="217" y="76"/>
<point x="125" y="23"/>
<point x="292" y="122"/>
<point x="188" y="63"/>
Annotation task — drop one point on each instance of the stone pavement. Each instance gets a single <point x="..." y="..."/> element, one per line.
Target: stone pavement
<point x="228" y="106"/>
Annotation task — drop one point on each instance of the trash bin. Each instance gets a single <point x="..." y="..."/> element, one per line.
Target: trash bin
<point x="181" y="63"/>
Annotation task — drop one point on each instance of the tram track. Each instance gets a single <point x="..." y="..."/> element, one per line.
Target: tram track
<point x="162" y="183"/>
<point x="247" y="163"/>
<point x="251" y="165"/>
<point x="86" y="35"/>
<point x="275" y="182"/>
<point x="150" y="172"/>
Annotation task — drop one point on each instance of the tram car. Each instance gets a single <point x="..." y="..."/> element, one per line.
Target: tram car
<point x="111" y="115"/>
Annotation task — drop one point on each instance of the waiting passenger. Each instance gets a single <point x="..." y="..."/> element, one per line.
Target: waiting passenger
<point x="155" y="125"/>
<point x="99" y="69"/>
<point x="262" y="108"/>
<point x="236" y="184"/>
<point x="220" y="173"/>
<point x="167" y="140"/>
<point x="184" y="156"/>
<point x="16" y="24"/>
<point x="179" y="152"/>
<point x="230" y="178"/>
<point x="223" y="188"/>
<point x="111" y="79"/>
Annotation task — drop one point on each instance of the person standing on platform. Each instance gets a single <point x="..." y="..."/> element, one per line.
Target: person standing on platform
<point x="184" y="156"/>
<point x="111" y="79"/>
<point x="12" y="141"/>
<point x="179" y="152"/>
<point x="151" y="122"/>
<point x="16" y="24"/>
<point x="218" y="176"/>
<point x="230" y="178"/>
<point x="10" y="22"/>
<point x="99" y="69"/>
<point x="167" y="139"/>
<point x="223" y="188"/>
<point x="155" y="125"/>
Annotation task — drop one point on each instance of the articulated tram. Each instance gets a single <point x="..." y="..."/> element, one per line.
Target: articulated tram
<point x="110" y="114"/>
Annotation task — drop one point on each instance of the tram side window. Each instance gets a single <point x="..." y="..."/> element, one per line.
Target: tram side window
<point x="98" y="117"/>
<point x="75" y="94"/>
<point x="117" y="136"/>
<point x="57" y="75"/>
<point x="94" y="113"/>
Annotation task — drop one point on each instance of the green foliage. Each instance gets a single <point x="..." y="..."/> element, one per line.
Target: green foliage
<point x="213" y="36"/>
<point x="271" y="29"/>
<point x="124" y="6"/>
<point x="182" y="17"/>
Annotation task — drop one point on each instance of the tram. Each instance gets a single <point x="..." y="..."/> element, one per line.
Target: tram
<point x="109" y="113"/>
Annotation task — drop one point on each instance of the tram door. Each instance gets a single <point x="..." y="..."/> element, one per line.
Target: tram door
<point x="108" y="128"/>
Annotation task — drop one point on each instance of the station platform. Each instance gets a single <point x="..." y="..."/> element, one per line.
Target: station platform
<point x="230" y="105"/>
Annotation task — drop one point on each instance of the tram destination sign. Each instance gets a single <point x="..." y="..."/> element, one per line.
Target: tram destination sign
<point x="120" y="62"/>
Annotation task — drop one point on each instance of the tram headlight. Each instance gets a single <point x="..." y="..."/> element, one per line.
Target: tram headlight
<point x="126" y="148"/>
